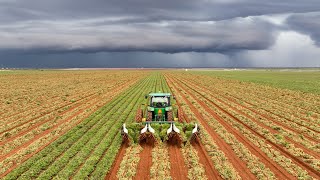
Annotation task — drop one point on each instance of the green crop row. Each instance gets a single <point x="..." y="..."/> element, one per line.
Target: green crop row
<point x="78" y="153"/>
<point x="63" y="156"/>
<point x="127" y="114"/>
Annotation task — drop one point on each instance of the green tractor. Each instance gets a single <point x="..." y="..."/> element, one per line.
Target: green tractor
<point x="159" y="120"/>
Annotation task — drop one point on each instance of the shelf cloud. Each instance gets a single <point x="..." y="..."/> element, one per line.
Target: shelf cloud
<point x="220" y="29"/>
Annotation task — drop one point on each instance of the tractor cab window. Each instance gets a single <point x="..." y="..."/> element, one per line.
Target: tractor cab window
<point x="160" y="101"/>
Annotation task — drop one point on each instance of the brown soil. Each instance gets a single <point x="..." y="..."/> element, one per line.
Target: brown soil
<point x="306" y="166"/>
<point x="35" y="152"/>
<point x="315" y="154"/>
<point x="21" y="133"/>
<point x="79" y="101"/>
<point x="38" y="136"/>
<point x="238" y="164"/>
<point x="112" y="174"/>
<point x="143" y="169"/>
<point x="43" y="114"/>
<point x="25" y="145"/>
<point x="178" y="170"/>
<point x="278" y="170"/>
<point x="207" y="163"/>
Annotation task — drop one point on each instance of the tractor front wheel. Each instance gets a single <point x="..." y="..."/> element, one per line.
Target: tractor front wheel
<point x="149" y="118"/>
<point x="139" y="115"/>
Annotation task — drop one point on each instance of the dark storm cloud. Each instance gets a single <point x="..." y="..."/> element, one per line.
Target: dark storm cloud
<point x="46" y="26"/>
<point x="166" y="36"/>
<point x="115" y="60"/>
<point x="153" y="10"/>
<point x="40" y="31"/>
<point x="308" y="23"/>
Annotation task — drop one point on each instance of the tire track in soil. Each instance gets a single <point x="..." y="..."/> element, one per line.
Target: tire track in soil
<point x="112" y="175"/>
<point x="144" y="165"/>
<point x="297" y="161"/>
<point x="178" y="169"/>
<point x="274" y="167"/>
<point x="237" y="163"/>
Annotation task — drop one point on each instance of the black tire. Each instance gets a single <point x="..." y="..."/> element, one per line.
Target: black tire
<point x="149" y="117"/>
<point x="169" y="116"/>
<point x="139" y="115"/>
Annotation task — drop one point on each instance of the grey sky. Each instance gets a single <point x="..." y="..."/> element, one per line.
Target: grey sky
<point x="144" y="33"/>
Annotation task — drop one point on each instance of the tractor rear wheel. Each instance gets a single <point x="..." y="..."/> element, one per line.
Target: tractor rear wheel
<point x="169" y="116"/>
<point x="139" y="115"/>
<point x="149" y="117"/>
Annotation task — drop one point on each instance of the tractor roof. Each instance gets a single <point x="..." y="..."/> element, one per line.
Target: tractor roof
<point x="159" y="94"/>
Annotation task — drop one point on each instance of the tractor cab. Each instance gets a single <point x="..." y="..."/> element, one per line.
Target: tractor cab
<point x="159" y="107"/>
<point x="159" y="101"/>
<point x="158" y="119"/>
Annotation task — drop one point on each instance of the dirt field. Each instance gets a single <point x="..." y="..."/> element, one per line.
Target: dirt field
<point x="66" y="124"/>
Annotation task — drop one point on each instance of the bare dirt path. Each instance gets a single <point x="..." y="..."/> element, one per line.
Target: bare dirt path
<point x="207" y="163"/>
<point x="178" y="170"/>
<point x="116" y="164"/>
<point x="143" y="170"/>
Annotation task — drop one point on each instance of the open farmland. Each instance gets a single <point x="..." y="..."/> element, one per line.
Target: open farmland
<point x="66" y="124"/>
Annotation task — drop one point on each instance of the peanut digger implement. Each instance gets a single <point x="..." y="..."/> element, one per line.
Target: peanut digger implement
<point x="159" y="121"/>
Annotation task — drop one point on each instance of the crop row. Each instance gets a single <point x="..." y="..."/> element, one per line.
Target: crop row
<point x="278" y="129"/>
<point x="106" y="148"/>
<point x="261" y="96"/>
<point x="129" y="162"/>
<point x="272" y="126"/>
<point x="191" y="159"/>
<point x="160" y="168"/>
<point x="256" y="128"/>
<point x="36" y="91"/>
<point x="219" y="159"/>
<point x="296" y="100"/>
<point x="37" y="137"/>
<point x="260" y="123"/>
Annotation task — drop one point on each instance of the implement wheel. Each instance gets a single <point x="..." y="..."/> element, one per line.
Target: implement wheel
<point x="149" y="118"/>
<point x="139" y="115"/>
